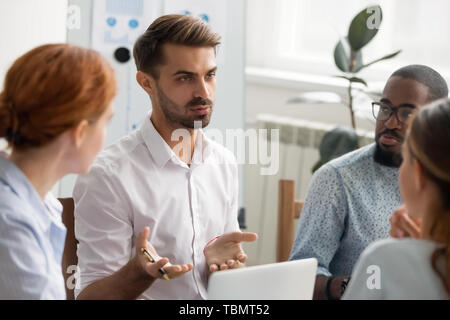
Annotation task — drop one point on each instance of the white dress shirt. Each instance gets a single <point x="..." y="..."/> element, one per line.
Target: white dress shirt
<point x="32" y="239"/>
<point x="139" y="181"/>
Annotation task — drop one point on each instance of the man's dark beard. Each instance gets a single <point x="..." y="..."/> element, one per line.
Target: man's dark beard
<point x="384" y="157"/>
<point x="387" y="158"/>
<point x="170" y="109"/>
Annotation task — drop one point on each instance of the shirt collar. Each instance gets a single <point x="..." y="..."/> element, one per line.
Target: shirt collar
<point x="13" y="177"/>
<point x="158" y="148"/>
<point x="162" y="153"/>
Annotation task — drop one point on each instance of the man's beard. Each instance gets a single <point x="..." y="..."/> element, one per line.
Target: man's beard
<point x="385" y="157"/>
<point x="172" y="111"/>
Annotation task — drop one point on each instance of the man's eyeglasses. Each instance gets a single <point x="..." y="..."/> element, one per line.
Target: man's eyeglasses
<point x="383" y="111"/>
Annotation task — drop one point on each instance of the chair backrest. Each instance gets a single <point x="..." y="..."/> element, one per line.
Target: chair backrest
<point x="70" y="259"/>
<point x="289" y="209"/>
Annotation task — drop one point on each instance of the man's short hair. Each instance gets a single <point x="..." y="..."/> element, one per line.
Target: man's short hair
<point x="428" y="77"/>
<point x="175" y="29"/>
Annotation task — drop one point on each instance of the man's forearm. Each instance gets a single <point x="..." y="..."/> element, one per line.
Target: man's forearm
<point x="126" y="284"/>
<point x="320" y="288"/>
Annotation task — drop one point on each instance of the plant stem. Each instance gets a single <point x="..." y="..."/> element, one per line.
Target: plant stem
<point x="350" y="105"/>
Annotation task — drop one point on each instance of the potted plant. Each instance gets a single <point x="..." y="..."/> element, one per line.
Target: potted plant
<point x="348" y="58"/>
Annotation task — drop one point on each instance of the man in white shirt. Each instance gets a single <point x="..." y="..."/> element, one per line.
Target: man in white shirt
<point x="185" y="190"/>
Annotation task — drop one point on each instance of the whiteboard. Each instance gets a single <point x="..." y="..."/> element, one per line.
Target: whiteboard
<point x="132" y="103"/>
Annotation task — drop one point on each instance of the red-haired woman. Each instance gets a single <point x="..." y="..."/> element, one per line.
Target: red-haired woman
<point x="54" y="110"/>
<point x="415" y="268"/>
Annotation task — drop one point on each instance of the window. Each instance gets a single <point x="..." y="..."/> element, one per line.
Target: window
<point x="300" y="35"/>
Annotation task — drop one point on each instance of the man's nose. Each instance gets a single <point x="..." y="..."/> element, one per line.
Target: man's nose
<point x="393" y="122"/>
<point x="202" y="90"/>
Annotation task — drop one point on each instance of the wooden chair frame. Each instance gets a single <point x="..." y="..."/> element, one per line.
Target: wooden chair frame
<point x="289" y="209"/>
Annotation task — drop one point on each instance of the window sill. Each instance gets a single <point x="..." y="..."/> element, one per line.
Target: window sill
<point x="302" y="81"/>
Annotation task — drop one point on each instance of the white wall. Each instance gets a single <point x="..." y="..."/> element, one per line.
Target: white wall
<point x="25" y="24"/>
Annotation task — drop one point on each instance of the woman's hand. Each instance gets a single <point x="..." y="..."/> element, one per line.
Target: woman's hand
<point x="403" y="226"/>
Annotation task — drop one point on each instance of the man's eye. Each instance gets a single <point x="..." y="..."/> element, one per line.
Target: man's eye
<point x="405" y="113"/>
<point x="185" y="79"/>
<point x="210" y="75"/>
<point x="385" y="109"/>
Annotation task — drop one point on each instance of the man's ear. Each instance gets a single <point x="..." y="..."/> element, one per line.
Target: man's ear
<point x="420" y="177"/>
<point x="145" y="81"/>
<point x="79" y="133"/>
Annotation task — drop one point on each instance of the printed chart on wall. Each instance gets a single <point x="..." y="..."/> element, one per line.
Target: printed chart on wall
<point x="213" y="12"/>
<point x="116" y="25"/>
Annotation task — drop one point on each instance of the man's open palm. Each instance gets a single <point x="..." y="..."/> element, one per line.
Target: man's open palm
<point x="226" y="252"/>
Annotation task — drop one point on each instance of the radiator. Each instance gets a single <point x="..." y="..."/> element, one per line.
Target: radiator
<point x="299" y="142"/>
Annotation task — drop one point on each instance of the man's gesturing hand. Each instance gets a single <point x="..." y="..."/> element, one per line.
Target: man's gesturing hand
<point x="226" y="252"/>
<point x="152" y="268"/>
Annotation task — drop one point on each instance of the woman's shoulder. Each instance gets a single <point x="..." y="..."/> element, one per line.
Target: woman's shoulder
<point x="399" y="245"/>
<point x="9" y="200"/>
<point x="13" y="209"/>
<point x="406" y="248"/>
<point x="399" y="255"/>
<point x="401" y="268"/>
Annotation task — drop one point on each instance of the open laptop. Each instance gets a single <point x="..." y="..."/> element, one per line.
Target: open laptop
<point x="292" y="280"/>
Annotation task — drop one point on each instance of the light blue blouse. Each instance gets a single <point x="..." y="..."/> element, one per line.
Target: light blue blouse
<point x="32" y="238"/>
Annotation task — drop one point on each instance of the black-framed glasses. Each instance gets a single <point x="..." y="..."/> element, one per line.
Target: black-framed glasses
<point x="383" y="111"/>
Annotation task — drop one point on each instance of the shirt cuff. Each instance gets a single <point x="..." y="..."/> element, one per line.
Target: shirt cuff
<point x="323" y="271"/>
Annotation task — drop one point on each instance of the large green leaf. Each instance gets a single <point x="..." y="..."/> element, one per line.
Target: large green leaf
<point x="364" y="27"/>
<point x="386" y="57"/>
<point x="343" y="56"/>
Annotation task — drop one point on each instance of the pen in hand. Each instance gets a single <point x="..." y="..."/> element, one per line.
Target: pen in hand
<point x="151" y="259"/>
